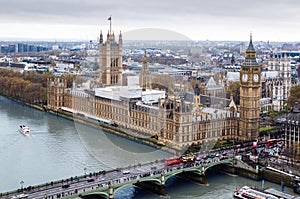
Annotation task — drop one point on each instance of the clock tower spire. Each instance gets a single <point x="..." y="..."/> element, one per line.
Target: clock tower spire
<point x="250" y="77"/>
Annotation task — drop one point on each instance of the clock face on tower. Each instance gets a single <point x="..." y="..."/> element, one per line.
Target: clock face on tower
<point x="255" y="77"/>
<point x="245" y="77"/>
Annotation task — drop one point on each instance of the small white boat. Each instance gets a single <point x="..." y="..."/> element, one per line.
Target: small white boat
<point x="24" y="130"/>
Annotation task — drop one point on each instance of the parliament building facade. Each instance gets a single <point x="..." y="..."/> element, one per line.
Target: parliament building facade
<point x="180" y="119"/>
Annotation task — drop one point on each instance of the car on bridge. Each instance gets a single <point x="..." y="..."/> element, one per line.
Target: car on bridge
<point x="20" y="196"/>
<point x="90" y="180"/>
<point x="211" y="155"/>
<point x="224" y="157"/>
<point x="189" y="158"/>
<point x="126" y="171"/>
<point x="65" y="186"/>
<point x="198" y="159"/>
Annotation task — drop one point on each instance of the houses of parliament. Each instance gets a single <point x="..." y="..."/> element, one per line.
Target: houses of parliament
<point x="177" y="119"/>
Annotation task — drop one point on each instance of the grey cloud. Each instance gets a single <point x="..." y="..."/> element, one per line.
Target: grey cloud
<point x="201" y="16"/>
<point x="92" y="11"/>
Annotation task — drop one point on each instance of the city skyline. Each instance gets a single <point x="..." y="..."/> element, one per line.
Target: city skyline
<point x="197" y="20"/>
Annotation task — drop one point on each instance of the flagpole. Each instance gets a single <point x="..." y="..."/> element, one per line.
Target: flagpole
<point x="110" y="24"/>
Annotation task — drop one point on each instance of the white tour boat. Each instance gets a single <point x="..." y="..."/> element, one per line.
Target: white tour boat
<point x="24" y="130"/>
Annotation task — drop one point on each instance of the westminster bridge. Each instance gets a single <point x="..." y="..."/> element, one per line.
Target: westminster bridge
<point x="104" y="184"/>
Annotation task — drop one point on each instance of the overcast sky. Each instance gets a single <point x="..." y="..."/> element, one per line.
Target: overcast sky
<point x="196" y="19"/>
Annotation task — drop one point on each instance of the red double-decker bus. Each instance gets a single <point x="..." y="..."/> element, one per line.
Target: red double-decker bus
<point x="172" y="161"/>
<point x="271" y="142"/>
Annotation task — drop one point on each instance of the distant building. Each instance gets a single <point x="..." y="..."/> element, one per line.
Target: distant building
<point x="242" y="48"/>
<point x="41" y="48"/>
<point x="126" y="77"/>
<point x="22" y="48"/>
<point x="56" y="93"/>
<point x="4" y="49"/>
<point x="55" y="47"/>
<point x="31" y="48"/>
<point x="212" y="89"/>
<point x="291" y="127"/>
<point x="11" y="48"/>
<point x="277" y="80"/>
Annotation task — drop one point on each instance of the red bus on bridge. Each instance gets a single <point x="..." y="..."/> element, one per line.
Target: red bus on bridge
<point x="271" y="142"/>
<point x="171" y="161"/>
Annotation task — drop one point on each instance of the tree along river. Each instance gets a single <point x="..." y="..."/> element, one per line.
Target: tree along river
<point x="59" y="148"/>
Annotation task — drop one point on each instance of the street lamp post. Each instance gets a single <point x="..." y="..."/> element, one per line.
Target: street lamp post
<point x="85" y="171"/>
<point x="21" y="183"/>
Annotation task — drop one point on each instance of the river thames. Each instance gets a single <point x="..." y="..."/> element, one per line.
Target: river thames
<point x="59" y="148"/>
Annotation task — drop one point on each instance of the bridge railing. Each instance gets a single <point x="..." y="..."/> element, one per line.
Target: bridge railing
<point x="157" y="175"/>
<point x="71" y="180"/>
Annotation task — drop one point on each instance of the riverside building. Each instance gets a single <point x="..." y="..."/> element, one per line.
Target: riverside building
<point x="175" y="119"/>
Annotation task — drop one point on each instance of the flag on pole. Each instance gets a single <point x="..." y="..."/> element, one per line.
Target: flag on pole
<point x="109" y="19"/>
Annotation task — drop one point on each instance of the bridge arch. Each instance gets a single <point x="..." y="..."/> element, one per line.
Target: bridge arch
<point x="227" y="161"/>
<point x="135" y="183"/>
<point x="123" y="186"/>
<point x="149" y="180"/>
<point x="98" y="194"/>
<point x="197" y="169"/>
<point x="191" y="169"/>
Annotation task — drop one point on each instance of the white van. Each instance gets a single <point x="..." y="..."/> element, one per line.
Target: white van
<point x="20" y="196"/>
<point x="126" y="171"/>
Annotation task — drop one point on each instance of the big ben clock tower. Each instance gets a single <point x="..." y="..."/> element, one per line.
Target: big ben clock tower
<point x="250" y="77"/>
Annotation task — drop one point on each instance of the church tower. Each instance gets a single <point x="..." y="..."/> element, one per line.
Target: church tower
<point x="110" y="62"/>
<point x="250" y="79"/>
<point x="145" y="81"/>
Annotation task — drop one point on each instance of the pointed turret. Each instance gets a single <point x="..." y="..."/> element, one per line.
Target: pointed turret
<point x="120" y="38"/>
<point x="101" y="38"/>
<point x="250" y="58"/>
<point x="145" y="61"/>
<point x="250" y="52"/>
<point x="197" y="90"/>
<point x="250" y="47"/>
<point x="145" y="75"/>
<point x="232" y="60"/>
